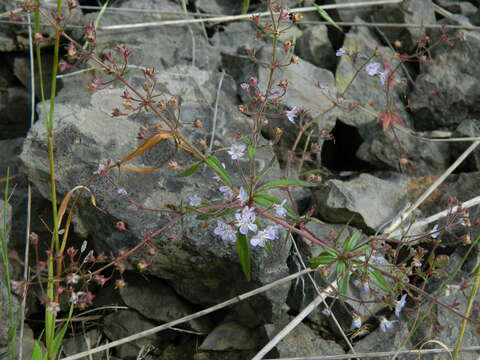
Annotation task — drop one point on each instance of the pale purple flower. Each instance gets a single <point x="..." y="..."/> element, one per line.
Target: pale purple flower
<point x="194" y="200"/>
<point x="225" y="232"/>
<point x="435" y="233"/>
<point x="386" y="324"/>
<point x="341" y="51"/>
<point x="227" y="192"/>
<point x="237" y="151"/>
<point x="400" y="304"/>
<point x="268" y="234"/>
<point x="372" y="69"/>
<point x="327" y="312"/>
<point x="246" y="220"/>
<point x="357" y="322"/>
<point x="377" y="260"/>
<point x="384" y="76"/>
<point x="242" y="196"/>
<point x="280" y="210"/>
<point x="292" y="114"/>
<point x="122" y="191"/>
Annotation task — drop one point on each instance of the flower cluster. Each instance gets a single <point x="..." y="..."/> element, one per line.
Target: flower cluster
<point x="244" y="224"/>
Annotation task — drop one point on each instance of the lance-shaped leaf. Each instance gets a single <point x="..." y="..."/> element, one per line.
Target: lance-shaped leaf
<point x="191" y="170"/>
<point x="323" y="259"/>
<point x="217" y="167"/>
<point x="243" y="251"/>
<point x="327" y="17"/>
<point x="284" y="183"/>
<point x="378" y="279"/>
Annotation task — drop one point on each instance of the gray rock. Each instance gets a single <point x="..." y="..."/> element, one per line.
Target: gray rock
<point x="315" y="47"/>
<point x="381" y="149"/>
<point x="446" y="94"/>
<point x="231" y="335"/>
<point x="21" y="69"/>
<point x="83" y="342"/>
<point x="126" y="322"/>
<point x="365" y="201"/>
<point x="459" y="7"/>
<point x="407" y="12"/>
<point x="157" y="47"/>
<point x="236" y="35"/>
<point x="349" y="14"/>
<point x="302" y="341"/>
<point x="15" y="112"/>
<point x="157" y="301"/>
<point x="190" y="257"/>
<point x="366" y="94"/>
<point x="219" y="7"/>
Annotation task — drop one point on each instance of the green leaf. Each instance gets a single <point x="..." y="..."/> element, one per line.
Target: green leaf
<point x="57" y="342"/>
<point x="243" y="251"/>
<point x="323" y="259"/>
<point x="331" y="252"/>
<point x="378" y="279"/>
<point x="245" y="6"/>
<point x="251" y="151"/>
<point x="343" y="275"/>
<point x="37" y="353"/>
<point x="284" y="183"/>
<point x="351" y="241"/>
<point x="268" y="201"/>
<point x="191" y="170"/>
<point x="327" y="17"/>
<point x="217" y="167"/>
<point x="246" y="140"/>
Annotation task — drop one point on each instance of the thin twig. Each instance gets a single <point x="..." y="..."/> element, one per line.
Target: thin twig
<point x="245" y="16"/>
<point x="379" y="354"/>
<point x="184" y="319"/>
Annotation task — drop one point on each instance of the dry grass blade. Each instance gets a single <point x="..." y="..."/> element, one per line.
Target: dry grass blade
<point x="147" y="145"/>
<point x="246" y="16"/>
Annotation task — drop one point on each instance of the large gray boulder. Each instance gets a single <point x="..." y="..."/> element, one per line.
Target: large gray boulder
<point x="197" y="264"/>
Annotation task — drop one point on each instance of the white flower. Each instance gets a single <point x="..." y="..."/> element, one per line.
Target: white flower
<point x="270" y="233"/>
<point x="280" y="210"/>
<point x="400" y="304"/>
<point x="386" y="324"/>
<point x="341" y="51"/>
<point x="73" y="278"/>
<point x="237" y="151"/>
<point x="245" y="220"/>
<point x="326" y="312"/>
<point x="242" y="196"/>
<point x="84" y="246"/>
<point x="194" y="200"/>
<point x="435" y="233"/>
<point x="451" y="289"/>
<point x="227" y="192"/>
<point x="122" y="191"/>
<point x="372" y="69"/>
<point x="292" y="114"/>
<point x="225" y="231"/>
<point x="245" y="86"/>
